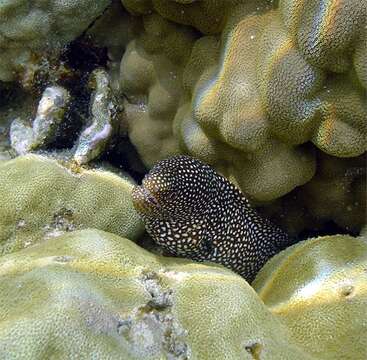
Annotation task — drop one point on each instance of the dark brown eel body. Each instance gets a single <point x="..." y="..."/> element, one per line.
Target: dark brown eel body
<point x="193" y="212"/>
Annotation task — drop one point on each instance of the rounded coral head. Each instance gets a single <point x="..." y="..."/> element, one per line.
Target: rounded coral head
<point x="178" y="187"/>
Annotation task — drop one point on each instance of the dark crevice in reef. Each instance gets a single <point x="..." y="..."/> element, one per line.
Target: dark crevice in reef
<point x="8" y="91"/>
<point x="79" y="59"/>
<point x="83" y="56"/>
<point x="328" y="228"/>
<point x="123" y="155"/>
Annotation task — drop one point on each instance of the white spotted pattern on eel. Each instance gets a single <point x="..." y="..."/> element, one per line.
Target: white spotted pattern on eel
<point x="192" y="211"/>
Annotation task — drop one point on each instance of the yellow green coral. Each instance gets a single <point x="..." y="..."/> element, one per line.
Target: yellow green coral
<point x="151" y="73"/>
<point x="254" y="97"/>
<point x="336" y="195"/>
<point x="95" y="294"/>
<point x="318" y="289"/>
<point x="207" y="16"/>
<point x="41" y="198"/>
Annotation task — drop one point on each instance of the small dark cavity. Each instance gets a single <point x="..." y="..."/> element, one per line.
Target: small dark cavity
<point x="81" y="54"/>
<point x="347" y="291"/>
<point x="328" y="228"/>
<point x="254" y="349"/>
<point x="123" y="155"/>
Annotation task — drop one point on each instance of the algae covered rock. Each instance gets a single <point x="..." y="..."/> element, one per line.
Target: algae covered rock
<point x="92" y="294"/>
<point x="31" y="31"/>
<point x="318" y="289"/>
<point x="39" y="198"/>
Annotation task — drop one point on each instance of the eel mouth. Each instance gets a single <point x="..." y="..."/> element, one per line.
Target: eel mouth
<point x="144" y="201"/>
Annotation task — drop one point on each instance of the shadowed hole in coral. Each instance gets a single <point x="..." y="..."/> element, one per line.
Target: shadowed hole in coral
<point x="255" y="350"/>
<point x="123" y="155"/>
<point x="347" y="291"/>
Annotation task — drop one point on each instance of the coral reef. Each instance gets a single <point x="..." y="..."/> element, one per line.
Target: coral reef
<point x="271" y="94"/>
<point x="151" y="79"/>
<point x="254" y="97"/>
<point x="97" y="293"/>
<point x="32" y="32"/>
<point x="322" y="282"/>
<point x="42" y="198"/>
<point x="336" y="196"/>
<point x="50" y="118"/>
<point x="208" y="16"/>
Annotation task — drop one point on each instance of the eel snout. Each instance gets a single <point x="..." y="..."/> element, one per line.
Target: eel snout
<point x="144" y="201"/>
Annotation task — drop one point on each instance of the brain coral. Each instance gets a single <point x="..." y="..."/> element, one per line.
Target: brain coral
<point x="98" y="295"/>
<point x="42" y="198"/>
<point x="30" y="30"/>
<point x="254" y="98"/>
<point x="320" y="284"/>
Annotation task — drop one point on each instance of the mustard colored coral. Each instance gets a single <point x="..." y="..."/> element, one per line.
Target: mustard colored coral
<point x="42" y="198"/>
<point x="207" y="16"/>
<point x="95" y="294"/>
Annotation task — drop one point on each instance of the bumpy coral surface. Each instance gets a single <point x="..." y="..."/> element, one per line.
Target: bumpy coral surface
<point x="151" y="78"/>
<point x="255" y="97"/>
<point x="337" y="192"/>
<point x="30" y="31"/>
<point x="96" y="294"/>
<point x="208" y="16"/>
<point x="336" y="195"/>
<point x="41" y="198"/>
<point x="318" y="288"/>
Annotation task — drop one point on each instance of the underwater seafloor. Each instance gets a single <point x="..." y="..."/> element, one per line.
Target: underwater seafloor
<point x="271" y="94"/>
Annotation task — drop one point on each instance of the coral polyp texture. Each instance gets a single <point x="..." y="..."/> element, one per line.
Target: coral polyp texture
<point x="207" y="16"/>
<point x="42" y="198"/>
<point x="270" y="95"/>
<point x="151" y="79"/>
<point x="254" y="98"/>
<point x="95" y="294"/>
<point x="322" y="282"/>
<point x="30" y="32"/>
<point x="336" y="194"/>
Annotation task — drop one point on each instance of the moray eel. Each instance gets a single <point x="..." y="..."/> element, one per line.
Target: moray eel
<point x="192" y="211"/>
